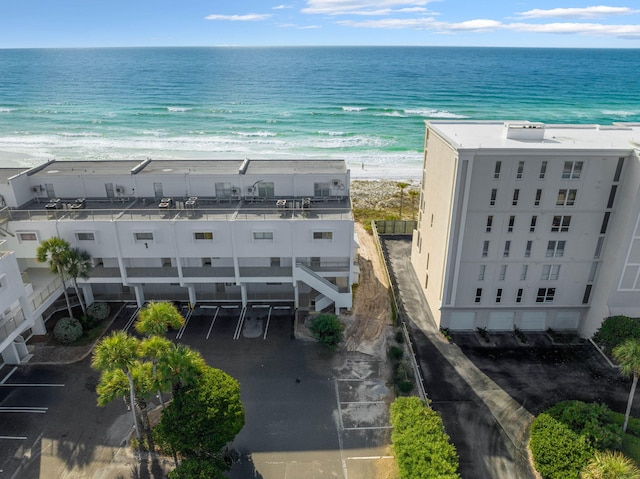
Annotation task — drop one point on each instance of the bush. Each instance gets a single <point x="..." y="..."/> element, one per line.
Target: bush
<point x="593" y="421"/>
<point x="399" y="337"/>
<point x="396" y="353"/>
<point x="421" y="445"/>
<point x="615" y="330"/>
<point x="67" y="330"/>
<point x="327" y="329"/>
<point x="99" y="311"/>
<point x="558" y="452"/>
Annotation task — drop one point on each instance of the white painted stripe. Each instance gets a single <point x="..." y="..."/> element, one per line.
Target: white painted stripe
<point x="363" y="402"/>
<point x="367" y="458"/>
<point x="17" y="438"/>
<point x="31" y="385"/>
<point x="266" y="328"/>
<point x="9" y="375"/>
<point x="212" y="322"/>
<point x="366" y="428"/>
<point x="345" y="471"/>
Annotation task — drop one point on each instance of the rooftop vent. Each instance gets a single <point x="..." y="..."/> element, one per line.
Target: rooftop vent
<point x="524" y="131"/>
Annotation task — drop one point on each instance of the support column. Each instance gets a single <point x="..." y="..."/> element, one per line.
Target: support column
<point x="296" y="297"/>
<point x="192" y="295"/>
<point x="10" y="354"/>
<point x="139" y="295"/>
<point x="87" y="294"/>
<point x="243" y="293"/>
<point x="38" y="323"/>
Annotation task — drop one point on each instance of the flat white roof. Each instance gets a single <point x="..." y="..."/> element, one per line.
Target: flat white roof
<point x="491" y="135"/>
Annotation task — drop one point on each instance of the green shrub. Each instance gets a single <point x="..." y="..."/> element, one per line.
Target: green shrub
<point x="558" y="452"/>
<point x="399" y="337"/>
<point x="614" y="330"/>
<point x="405" y="386"/>
<point x="327" y="329"/>
<point x="396" y="353"/>
<point x="99" y="311"/>
<point x="67" y="330"/>
<point x="592" y="420"/>
<point x="421" y="445"/>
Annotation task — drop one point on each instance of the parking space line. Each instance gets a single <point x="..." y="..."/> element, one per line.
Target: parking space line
<point x="359" y="428"/>
<point x="339" y="429"/>
<point x="236" y="335"/>
<point x="38" y="410"/>
<point x="184" y="326"/>
<point x="9" y="375"/>
<point x="32" y="385"/>
<point x="213" y="321"/>
<point x="368" y="458"/>
<point x="16" y="438"/>
<point x="266" y="328"/>
<point x="131" y="320"/>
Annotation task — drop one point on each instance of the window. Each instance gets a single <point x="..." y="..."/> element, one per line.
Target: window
<point x="426" y="281"/>
<point x="203" y="236"/>
<point x="572" y="170"/>
<point x="427" y="261"/>
<point x="496" y="171"/>
<point x="519" y="296"/>
<point x="494" y="193"/>
<point x="538" y="198"/>
<point x="598" y="251"/>
<point x="483" y="268"/>
<point x="587" y="294"/>
<point x="263" y="235"/>
<point x="550" y="272"/>
<point x="560" y="223"/>
<point x="532" y="226"/>
<point x="489" y="223"/>
<point x="321" y="189"/>
<point x="431" y="220"/>
<point x="85" y="236"/>
<point x="523" y="272"/>
<point x="275" y="261"/>
<point x="516" y="195"/>
<point x="142" y="236"/>
<point x="485" y="249"/>
<point x="545" y="295"/>
<point x="543" y="170"/>
<point x="612" y="196"/>
<point x="512" y="221"/>
<point x="616" y="176"/>
<point x="499" y="295"/>
<point x="566" y="197"/>
<point x="605" y="223"/>
<point x="520" y="170"/>
<point x="592" y="272"/>
<point x="325" y="235"/>
<point x="507" y="248"/>
<point x="27" y="236"/>
<point x="478" y="294"/>
<point x="503" y="272"/>
<point x="555" y="249"/>
<point x="527" y="251"/>
<point x="207" y="262"/>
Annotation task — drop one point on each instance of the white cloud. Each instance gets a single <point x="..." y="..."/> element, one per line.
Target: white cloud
<point x="281" y="7"/>
<point x="250" y="17"/>
<point x="299" y="27"/>
<point x="426" y="24"/>
<point x="578" y="28"/>
<point x="586" y="12"/>
<point x="349" y="7"/>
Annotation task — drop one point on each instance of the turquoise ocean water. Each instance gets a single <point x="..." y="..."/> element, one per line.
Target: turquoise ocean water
<point x="364" y="104"/>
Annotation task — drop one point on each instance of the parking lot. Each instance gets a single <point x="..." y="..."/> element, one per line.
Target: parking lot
<point x="309" y="412"/>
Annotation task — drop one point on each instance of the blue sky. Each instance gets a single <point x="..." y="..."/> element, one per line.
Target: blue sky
<point x="527" y="23"/>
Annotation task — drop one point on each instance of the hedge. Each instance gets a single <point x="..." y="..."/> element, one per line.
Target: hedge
<point x="594" y="421"/>
<point x="421" y="445"/>
<point x="614" y="330"/>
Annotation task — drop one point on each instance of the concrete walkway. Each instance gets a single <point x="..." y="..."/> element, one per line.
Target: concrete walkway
<point x="488" y="428"/>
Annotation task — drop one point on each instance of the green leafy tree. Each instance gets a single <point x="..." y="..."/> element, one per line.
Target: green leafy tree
<point x="202" y="419"/>
<point x="197" y="468"/>
<point x="615" y="330"/>
<point x="54" y="251"/>
<point x="119" y="351"/>
<point x="327" y="329"/>
<point x="610" y="465"/>
<point x="77" y="264"/>
<point x="401" y="185"/>
<point x="628" y="357"/>
<point x="156" y="318"/>
<point x="181" y="367"/>
<point x="155" y="349"/>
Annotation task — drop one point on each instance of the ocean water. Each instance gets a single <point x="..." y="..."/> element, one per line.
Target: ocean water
<point x="364" y="104"/>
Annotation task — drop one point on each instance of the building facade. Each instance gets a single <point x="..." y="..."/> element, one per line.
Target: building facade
<point x="529" y="225"/>
<point x="191" y="230"/>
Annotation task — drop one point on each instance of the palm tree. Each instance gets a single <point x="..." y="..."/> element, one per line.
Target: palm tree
<point x="77" y="264"/>
<point x="402" y="185"/>
<point x="627" y="355"/>
<point x="119" y="351"/>
<point x="156" y="348"/>
<point x="156" y="318"/>
<point x="610" y="465"/>
<point x="54" y="250"/>
<point x="181" y="367"/>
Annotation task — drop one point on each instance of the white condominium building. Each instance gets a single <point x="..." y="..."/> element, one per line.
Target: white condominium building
<point x="183" y="230"/>
<point x="529" y="225"/>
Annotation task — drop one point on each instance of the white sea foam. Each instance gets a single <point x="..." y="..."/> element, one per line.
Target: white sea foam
<point x="354" y="108"/>
<point x="6" y="110"/>
<point x="332" y="133"/>
<point x="619" y="112"/>
<point x="178" y="109"/>
<point x="395" y="114"/>
<point x="431" y="113"/>
<point x="255" y="133"/>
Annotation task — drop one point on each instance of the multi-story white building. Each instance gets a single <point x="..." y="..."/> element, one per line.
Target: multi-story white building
<point x="529" y="225"/>
<point x="190" y="230"/>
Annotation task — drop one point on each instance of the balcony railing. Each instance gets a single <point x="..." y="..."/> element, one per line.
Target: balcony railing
<point x="11" y="324"/>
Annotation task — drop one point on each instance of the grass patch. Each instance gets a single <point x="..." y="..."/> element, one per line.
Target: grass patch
<point x="366" y="215"/>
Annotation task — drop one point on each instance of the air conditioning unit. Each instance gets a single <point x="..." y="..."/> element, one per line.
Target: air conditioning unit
<point x="336" y="183"/>
<point x="235" y="191"/>
<point x="250" y="189"/>
<point x="120" y="189"/>
<point x="35" y="189"/>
